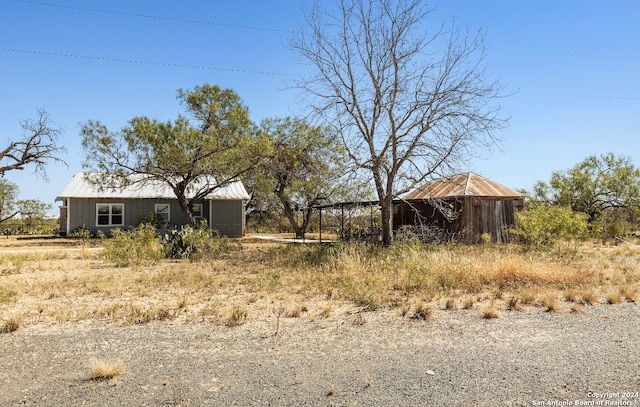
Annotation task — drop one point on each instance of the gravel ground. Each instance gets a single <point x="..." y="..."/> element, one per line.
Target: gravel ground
<point x="377" y="359"/>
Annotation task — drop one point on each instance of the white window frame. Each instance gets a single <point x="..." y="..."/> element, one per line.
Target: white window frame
<point x="197" y="213"/>
<point x="168" y="212"/>
<point x="110" y="215"/>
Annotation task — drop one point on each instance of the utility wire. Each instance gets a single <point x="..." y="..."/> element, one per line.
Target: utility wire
<point x="134" y="61"/>
<point x="153" y="17"/>
<point x="203" y="67"/>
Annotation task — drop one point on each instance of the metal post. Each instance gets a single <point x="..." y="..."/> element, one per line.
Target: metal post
<point x="320" y="209"/>
<point x="342" y="222"/>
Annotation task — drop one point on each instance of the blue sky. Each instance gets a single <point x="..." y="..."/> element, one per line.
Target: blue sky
<point x="571" y="68"/>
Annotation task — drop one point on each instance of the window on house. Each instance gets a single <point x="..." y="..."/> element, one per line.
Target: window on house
<point x="197" y="210"/>
<point x="110" y="214"/>
<point x="163" y="211"/>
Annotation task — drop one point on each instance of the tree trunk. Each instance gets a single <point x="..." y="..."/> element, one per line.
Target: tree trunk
<point x="386" y="212"/>
<point x="186" y="208"/>
<point x="290" y="214"/>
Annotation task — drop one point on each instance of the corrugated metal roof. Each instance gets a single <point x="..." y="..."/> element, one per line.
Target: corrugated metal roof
<point x="80" y="187"/>
<point x="468" y="184"/>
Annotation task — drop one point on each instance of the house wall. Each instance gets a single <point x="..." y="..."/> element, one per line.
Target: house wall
<point x="227" y="217"/>
<point x="63" y="220"/>
<point x="81" y="212"/>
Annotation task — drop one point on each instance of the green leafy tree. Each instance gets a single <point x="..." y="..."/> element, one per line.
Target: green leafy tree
<point x="32" y="212"/>
<point x="600" y="186"/>
<point x="409" y="103"/>
<point x="8" y="195"/>
<point x="194" y="155"/>
<point x="303" y="169"/>
<point x="542" y="226"/>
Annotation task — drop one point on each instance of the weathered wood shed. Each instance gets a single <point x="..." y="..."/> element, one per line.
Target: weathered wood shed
<point x="464" y="206"/>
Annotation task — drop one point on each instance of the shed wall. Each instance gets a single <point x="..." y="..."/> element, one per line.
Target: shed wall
<point x="475" y="216"/>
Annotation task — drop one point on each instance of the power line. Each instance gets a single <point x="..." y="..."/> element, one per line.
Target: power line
<point x="134" y="61"/>
<point x="154" y="17"/>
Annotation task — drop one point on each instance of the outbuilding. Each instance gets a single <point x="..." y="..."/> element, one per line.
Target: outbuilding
<point x="85" y="205"/>
<point x="463" y="207"/>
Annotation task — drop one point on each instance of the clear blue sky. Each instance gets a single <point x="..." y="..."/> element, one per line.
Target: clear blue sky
<point x="572" y="67"/>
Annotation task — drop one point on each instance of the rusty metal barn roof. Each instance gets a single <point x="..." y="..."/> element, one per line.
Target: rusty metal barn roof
<point x="80" y="187"/>
<point x="468" y="184"/>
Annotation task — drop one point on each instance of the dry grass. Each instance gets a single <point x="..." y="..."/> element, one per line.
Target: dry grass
<point x="550" y="303"/>
<point x="576" y="309"/>
<point x="422" y="311"/>
<point x="468" y="303"/>
<point x="325" y="310"/>
<point x="630" y="292"/>
<point x="107" y="369"/>
<point x="614" y="297"/>
<point x="12" y="323"/>
<point x="450" y="303"/>
<point x="238" y="316"/>
<point x="514" y="303"/>
<point x="46" y="284"/>
<point x="491" y="311"/>
<point x="589" y="296"/>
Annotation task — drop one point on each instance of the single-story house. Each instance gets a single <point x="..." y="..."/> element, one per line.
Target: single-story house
<point x="464" y="207"/>
<point x="84" y="205"/>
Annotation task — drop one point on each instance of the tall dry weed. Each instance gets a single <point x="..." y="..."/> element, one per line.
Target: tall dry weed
<point x="366" y="275"/>
<point x="107" y="369"/>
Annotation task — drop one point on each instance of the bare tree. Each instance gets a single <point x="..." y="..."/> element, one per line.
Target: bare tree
<point x="409" y="103"/>
<point x="37" y="146"/>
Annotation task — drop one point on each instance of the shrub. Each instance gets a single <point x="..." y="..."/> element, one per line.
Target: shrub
<point x="542" y="226"/>
<point x="82" y="233"/>
<point x="136" y="247"/>
<point x="153" y="219"/>
<point x="194" y="244"/>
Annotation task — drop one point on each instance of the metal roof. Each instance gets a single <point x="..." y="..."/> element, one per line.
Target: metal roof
<point x="468" y="184"/>
<point x="80" y="187"/>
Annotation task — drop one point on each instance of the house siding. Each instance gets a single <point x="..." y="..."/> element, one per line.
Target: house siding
<point x="227" y="217"/>
<point x="82" y="212"/>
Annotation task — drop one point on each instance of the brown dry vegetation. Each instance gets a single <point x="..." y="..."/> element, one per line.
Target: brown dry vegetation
<point x="105" y="369"/>
<point x="64" y="280"/>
